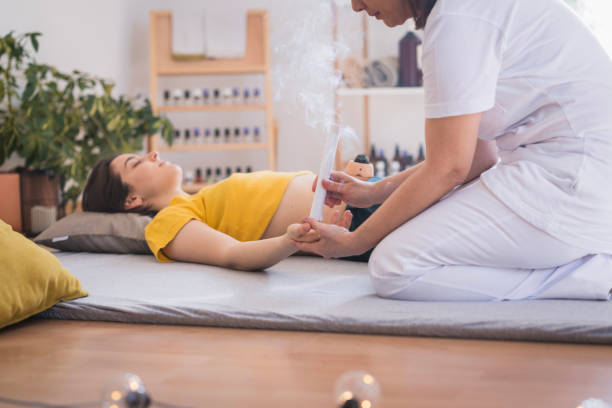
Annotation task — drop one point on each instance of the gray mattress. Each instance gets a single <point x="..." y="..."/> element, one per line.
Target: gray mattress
<point x="307" y="293"/>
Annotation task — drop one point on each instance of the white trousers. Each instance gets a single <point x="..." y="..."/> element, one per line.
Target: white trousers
<point x="470" y="246"/>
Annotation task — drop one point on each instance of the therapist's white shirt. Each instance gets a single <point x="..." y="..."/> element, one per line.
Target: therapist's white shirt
<point x="544" y="83"/>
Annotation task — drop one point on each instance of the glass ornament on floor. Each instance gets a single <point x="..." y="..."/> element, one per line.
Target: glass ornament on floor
<point x="125" y="391"/>
<point x="356" y="389"/>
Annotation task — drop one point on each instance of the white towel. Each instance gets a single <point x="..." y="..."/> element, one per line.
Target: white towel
<point x="188" y="32"/>
<point x="225" y="33"/>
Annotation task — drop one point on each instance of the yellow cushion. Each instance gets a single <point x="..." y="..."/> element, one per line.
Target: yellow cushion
<point x="31" y="278"/>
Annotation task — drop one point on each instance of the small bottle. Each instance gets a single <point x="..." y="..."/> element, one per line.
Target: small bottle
<point x="379" y="170"/>
<point x="206" y="97"/>
<point x="249" y="169"/>
<point x="198" y="177"/>
<point x="246" y="98"/>
<point x="207" y="136"/>
<point x="188" y="177"/>
<point x="196" y="136"/>
<point x="217" y="135"/>
<point x="228" y="172"/>
<point x="177" y="94"/>
<point x="197" y="96"/>
<point x="256" y="135"/>
<point x="209" y="176"/>
<point x="216" y="97"/>
<point x="404" y="161"/>
<point x="257" y="96"/>
<point x="227" y="134"/>
<point x="177" y="137"/>
<point x="238" y="169"/>
<point x="187" y="97"/>
<point x="373" y="155"/>
<point x="237" y="135"/>
<point x="166" y="97"/>
<point x="218" y="176"/>
<point x="236" y="96"/>
<point x="421" y="156"/>
<point x="381" y="158"/>
<point x="187" y="139"/>
<point x="227" y="96"/>
<point x="396" y="165"/>
<point x="246" y="135"/>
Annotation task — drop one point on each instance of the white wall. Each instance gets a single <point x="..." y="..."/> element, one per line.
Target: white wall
<point x="110" y="39"/>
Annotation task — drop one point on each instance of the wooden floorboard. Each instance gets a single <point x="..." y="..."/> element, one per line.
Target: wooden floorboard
<point x="68" y="361"/>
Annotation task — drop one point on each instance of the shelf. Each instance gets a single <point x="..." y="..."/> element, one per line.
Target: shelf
<point x="210" y="108"/>
<point x="255" y="59"/>
<point x="397" y="91"/>
<point x="213" y="147"/>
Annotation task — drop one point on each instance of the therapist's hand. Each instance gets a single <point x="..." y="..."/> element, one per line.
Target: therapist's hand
<point x="334" y="242"/>
<point x="342" y="187"/>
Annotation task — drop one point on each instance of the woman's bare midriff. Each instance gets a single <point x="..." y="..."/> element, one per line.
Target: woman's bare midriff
<point x="295" y="205"/>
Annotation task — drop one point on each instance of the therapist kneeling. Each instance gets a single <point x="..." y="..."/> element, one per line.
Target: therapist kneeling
<point x="524" y="81"/>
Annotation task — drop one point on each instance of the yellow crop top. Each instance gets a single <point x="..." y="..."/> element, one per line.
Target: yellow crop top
<point x="240" y="206"/>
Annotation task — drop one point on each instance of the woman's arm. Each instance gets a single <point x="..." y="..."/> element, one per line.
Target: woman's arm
<point x="451" y="146"/>
<point x="197" y="242"/>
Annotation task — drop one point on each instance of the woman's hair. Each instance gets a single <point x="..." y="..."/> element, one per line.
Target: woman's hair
<point x="105" y="192"/>
<point x="420" y="11"/>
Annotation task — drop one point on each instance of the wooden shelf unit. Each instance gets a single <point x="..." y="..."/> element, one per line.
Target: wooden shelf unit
<point x="255" y="61"/>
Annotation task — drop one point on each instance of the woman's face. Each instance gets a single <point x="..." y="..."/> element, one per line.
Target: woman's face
<point x="392" y="12"/>
<point x="148" y="176"/>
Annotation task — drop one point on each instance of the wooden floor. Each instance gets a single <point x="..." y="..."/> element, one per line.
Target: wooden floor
<point x="64" y="361"/>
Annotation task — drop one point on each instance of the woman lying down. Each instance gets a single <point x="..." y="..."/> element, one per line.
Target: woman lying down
<point x="247" y="221"/>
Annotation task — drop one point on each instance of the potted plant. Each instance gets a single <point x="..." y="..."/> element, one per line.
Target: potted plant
<point x="65" y="122"/>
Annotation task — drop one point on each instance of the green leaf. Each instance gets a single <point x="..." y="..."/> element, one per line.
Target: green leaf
<point x="112" y="125"/>
<point x="34" y="40"/>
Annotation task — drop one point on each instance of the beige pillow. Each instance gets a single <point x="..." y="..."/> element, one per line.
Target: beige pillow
<point x="98" y="232"/>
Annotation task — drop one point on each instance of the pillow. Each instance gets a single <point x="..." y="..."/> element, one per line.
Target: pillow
<point x="119" y="233"/>
<point x="32" y="278"/>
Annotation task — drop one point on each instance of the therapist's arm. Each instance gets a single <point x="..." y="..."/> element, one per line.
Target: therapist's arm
<point x="485" y="157"/>
<point x="451" y="160"/>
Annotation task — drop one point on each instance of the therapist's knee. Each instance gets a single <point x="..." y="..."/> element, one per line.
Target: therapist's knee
<point x="393" y="268"/>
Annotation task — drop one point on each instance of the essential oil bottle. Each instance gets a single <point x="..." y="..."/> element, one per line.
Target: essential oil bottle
<point x="206" y="97"/>
<point x="196" y="135"/>
<point x="177" y="94"/>
<point x="227" y="96"/>
<point x="216" y="97"/>
<point x="197" y="96"/>
<point x="246" y="133"/>
<point x="238" y="169"/>
<point x="236" y="96"/>
<point x="207" y="136"/>
<point x="237" y="135"/>
<point x="187" y="94"/>
<point x="257" y="99"/>
<point x="187" y="139"/>
<point x="227" y="133"/>
<point x="218" y="175"/>
<point x="166" y="97"/>
<point x="176" y="140"/>
<point x="228" y="172"/>
<point x="209" y="176"/>
<point x="249" y="169"/>
<point x="198" y="176"/>
<point x="246" y="97"/>
<point x="256" y="135"/>
<point x="217" y="135"/>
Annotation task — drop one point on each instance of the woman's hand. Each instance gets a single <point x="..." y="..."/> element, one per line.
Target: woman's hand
<point x="304" y="233"/>
<point x="342" y="187"/>
<point x="334" y="241"/>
